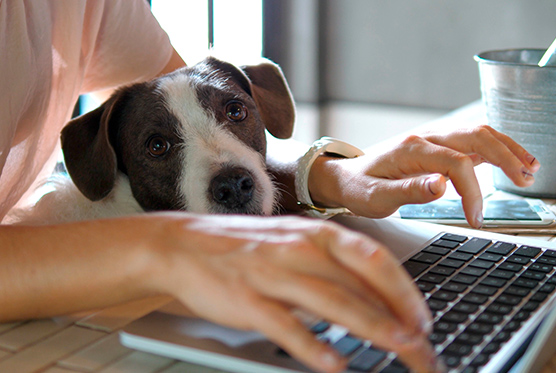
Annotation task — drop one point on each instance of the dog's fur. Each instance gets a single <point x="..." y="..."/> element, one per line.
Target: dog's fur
<point x="191" y="140"/>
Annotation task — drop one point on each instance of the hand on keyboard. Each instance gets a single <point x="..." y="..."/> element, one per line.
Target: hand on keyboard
<point x="252" y="278"/>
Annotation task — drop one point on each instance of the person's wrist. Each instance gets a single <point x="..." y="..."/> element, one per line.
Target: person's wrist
<point x="324" y="182"/>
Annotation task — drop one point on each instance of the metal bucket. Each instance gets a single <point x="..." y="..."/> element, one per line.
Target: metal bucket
<point x="520" y="99"/>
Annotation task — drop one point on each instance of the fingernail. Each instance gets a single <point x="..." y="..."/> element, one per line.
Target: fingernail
<point x="530" y="158"/>
<point x="330" y="359"/>
<point x="526" y="174"/>
<point x="478" y="213"/>
<point x="432" y="184"/>
<point x="437" y="365"/>
<point x="425" y="325"/>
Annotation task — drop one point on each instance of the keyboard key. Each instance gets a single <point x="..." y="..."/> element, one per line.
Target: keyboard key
<point x="347" y="345"/>
<point x="513" y="267"/>
<point x="493" y="281"/>
<point x="426" y="258"/>
<point x="539" y="296"/>
<point x="461" y="256"/>
<point x="468" y="338"/>
<point x="521" y="316"/>
<point x="528" y="251"/>
<point x="458" y="349"/>
<point x="541" y="267"/>
<point x="454" y="286"/>
<point x="464" y="279"/>
<point x="455" y="237"/>
<point x="506" y="275"/>
<point x="452" y="361"/>
<point x="550" y="253"/>
<point x="480" y="360"/>
<point x="490" y="257"/>
<point x="502" y="309"/>
<point x="547" y="260"/>
<point x="511" y="300"/>
<point x="547" y="288"/>
<point x="436" y="305"/>
<point x="445" y="327"/>
<point x="517" y="291"/>
<point x="320" y="327"/>
<point x="533" y="275"/>
<point x="530" y="306"/>
<point x="479" y="328"/>
<point x="454" y="317"/>
<point x="518" y="259"/>
<point x="446" y="243"/>
<point x="367" y="360"/>
<point x="415" y="268"/>
<point x="425" y="287"/>
<point x="436" y="250"/>
<point x="502" y="336"/>
<point x="501" y="248"/>
<point x="483" y="264"/>
<point x="473" y="271"/>
<point x="441" y="270"/>
<point x="437" y="338"/>
<point x="525" y="282"/>
<point x="491" y="348"/>
<point x="443" y="295"/>
<point x="453" y="263"/>
<point x="435" y="279"/>
<point x="474" y="246"/>
<point x="484" y="290"/>
<point x="465" y="307"/>
<point x="475" y="298"/>
<point x="513" y="325"/>
<point x="490" y="318"/>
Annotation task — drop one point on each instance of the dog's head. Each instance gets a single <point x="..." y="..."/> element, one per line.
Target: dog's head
<point x="190" y="140"/>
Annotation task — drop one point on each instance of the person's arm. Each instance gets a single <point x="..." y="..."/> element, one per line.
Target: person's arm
<point x="175" y="62"/>
<point x="415" y="171"/>
<point x="243" y="272"/>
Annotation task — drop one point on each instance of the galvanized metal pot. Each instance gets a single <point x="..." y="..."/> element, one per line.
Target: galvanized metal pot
<point x="520" y="99"/>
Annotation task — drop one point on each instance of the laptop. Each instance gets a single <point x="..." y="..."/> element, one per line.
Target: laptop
<point x="491" y="296"/>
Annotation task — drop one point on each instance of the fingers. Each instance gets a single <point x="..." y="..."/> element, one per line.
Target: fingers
<point x="495" y="148"/>
<point x="278" y="324"/>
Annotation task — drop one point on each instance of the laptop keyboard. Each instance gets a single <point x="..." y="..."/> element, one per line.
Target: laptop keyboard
<point x="480" y="293"/>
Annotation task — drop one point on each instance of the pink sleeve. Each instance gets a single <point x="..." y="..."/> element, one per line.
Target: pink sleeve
<point x="128" y="44"/>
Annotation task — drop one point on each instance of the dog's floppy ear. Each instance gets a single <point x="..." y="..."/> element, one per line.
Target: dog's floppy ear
<point x="88" y="154"/>
<point x="273" y="97"/>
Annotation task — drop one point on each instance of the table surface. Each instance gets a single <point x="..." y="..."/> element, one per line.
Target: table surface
<point x="19" y="353"/>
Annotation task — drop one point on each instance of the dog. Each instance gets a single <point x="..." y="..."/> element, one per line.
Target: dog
<point x="191" y="140"/>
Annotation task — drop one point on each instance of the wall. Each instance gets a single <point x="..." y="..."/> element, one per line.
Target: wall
<point x="400" y="52"/>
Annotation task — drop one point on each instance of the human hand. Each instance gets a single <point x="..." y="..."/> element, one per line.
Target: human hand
<point x="417" y="169"/>
<point x="250" y="273"/>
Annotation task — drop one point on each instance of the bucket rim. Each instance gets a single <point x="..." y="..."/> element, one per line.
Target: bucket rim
<point x="480" y="57"/>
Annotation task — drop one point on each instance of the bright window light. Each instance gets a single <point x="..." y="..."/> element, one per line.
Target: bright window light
<point x="238" y="28"/>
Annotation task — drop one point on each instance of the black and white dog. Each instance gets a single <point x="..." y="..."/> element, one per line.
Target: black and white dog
<point x="191" y="140"/>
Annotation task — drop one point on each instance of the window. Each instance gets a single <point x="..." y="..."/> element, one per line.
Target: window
<point x="228" y="29"/>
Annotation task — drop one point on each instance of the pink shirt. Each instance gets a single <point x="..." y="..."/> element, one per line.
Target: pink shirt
<point x="50" y="52"/>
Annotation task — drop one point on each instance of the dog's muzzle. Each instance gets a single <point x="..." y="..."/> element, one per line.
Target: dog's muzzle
<point x="232" y="188"/>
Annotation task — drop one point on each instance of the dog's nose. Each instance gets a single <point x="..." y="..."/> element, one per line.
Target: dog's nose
<point x="232" y="187"/>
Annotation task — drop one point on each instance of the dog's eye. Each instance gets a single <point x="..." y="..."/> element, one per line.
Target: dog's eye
<point x="236" y="111"/>
<point x="157" y="146"/>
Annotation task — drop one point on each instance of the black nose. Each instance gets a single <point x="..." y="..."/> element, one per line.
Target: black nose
<point x="232" y="187"/>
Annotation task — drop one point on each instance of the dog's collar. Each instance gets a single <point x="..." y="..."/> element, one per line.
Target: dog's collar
<point x="323" y="145"/>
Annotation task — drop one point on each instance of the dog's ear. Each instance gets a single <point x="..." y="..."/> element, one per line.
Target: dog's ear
<point x="273" y="98"/>
<point x="88" y="153"/>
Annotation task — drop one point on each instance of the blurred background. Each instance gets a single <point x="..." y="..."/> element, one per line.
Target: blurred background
<point x="362" y="70"/>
